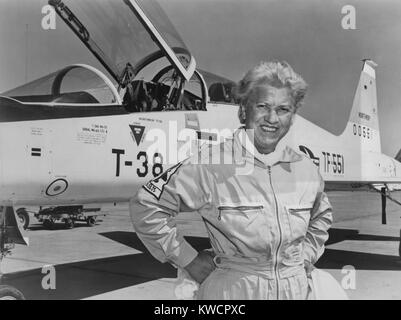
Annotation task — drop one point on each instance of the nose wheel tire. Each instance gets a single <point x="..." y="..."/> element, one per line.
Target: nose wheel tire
<point x="10" y="293"/>
<point x="23" y="218"/>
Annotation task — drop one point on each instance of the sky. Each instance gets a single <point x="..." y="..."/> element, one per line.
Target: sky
<point x="228" y="37"/>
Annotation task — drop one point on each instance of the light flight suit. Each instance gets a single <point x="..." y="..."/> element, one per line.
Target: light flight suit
<point x="263" y="220"/>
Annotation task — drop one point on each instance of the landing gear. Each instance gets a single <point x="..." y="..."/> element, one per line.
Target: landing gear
<point x="10" y="293"/>
<point x="9" y="235"/>
<point x="385" y="194"/>
<point x="23" y="218"/>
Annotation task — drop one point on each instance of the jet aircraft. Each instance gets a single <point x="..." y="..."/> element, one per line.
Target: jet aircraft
<point x="81" y="135"/>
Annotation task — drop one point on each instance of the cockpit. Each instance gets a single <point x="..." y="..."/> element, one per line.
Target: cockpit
<point x="80" y="84"/>
<point x="151" y="69"/>
<point x="75" y="84"/>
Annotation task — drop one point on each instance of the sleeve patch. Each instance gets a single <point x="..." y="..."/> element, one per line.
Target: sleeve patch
<point x="156" y="186"/>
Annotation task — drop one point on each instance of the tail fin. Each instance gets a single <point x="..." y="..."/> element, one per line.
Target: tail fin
<point x="363" y="123"/>
<point x="398" y="156"/>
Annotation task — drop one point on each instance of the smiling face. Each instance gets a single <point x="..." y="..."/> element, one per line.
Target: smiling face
<point x="269" y="112"/>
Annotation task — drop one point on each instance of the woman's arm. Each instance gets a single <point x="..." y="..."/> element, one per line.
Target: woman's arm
<point x="319" y="224"/>
<point x="156" y="204"/>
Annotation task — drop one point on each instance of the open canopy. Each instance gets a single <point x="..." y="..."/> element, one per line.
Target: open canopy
<point x="123" y="33"/>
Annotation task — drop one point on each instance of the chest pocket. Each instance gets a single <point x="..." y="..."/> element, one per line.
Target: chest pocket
<point x="298" y="217"/>
<point x="247" y="212"/>
<point x="244" y="224"/>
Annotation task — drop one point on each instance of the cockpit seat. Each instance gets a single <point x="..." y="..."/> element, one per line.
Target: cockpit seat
<point x="136" y="98"/>
<point x="217" y="92"/>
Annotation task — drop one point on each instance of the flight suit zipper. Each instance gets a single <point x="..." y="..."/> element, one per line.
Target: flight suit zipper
<point x="280" y="235"/>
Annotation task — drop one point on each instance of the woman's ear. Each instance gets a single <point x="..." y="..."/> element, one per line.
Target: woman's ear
<point x="293" y="117"/>
<point x="242" y="114"/>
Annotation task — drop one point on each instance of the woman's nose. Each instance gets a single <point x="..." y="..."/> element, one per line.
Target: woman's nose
<point x="271" y="116"/>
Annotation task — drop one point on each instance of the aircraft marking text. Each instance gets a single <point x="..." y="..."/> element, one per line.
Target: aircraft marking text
<point x="142" y="156"/>
<point x="364" y="116"/>
<point x="96" y="134"/>
<point x="333" y="163"/>
<point x="361" y="131"/>
<point x="36" y="152"/>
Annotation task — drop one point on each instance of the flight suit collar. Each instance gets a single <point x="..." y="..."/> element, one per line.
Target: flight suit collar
<point x="243" y="147"/>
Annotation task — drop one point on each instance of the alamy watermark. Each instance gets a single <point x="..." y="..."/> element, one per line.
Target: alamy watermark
<point x="49" y="280"/>
<point x="348" y="21"/>
<point x="49" y="18"/>
<point x="204" y="146"/>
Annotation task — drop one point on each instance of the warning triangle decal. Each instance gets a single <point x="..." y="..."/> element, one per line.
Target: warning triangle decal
<point x="137" y="132"/>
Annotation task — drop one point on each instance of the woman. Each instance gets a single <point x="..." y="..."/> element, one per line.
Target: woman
<point x="267" y="227"/>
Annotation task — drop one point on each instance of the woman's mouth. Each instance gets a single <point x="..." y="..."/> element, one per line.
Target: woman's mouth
<point x="267" y="128"/>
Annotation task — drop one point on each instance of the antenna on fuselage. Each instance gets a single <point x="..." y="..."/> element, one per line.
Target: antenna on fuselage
<point x="26" y="53"/>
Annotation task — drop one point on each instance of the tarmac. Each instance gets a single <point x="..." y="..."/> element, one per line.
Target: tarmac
<point x="108" y="261"/>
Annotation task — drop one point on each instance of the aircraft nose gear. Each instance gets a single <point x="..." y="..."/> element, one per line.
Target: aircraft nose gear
<point x="23" y="218"/>
<point x="10" y="293"/>
<point x="8" y="232"/>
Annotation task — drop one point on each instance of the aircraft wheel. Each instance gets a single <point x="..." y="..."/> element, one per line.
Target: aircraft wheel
<point x="69" y="223"/>
<point x="91" y="221"/>
<point x="48" y="224"/>
<point x="10" y="293"/>
<point x="23" y="218"/>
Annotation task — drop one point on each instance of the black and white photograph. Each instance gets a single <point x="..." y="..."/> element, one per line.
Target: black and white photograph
<point x="221" y="151"/>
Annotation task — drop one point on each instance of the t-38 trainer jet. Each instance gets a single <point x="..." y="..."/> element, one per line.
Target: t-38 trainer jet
<point x="82" y="135"/>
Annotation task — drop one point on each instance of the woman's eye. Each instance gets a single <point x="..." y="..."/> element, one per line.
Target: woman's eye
<point x="283" y="110"/>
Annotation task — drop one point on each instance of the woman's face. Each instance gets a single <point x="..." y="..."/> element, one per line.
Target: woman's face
<point x="269" y="112"/>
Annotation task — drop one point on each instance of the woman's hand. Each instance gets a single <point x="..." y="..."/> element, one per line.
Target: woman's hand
<point x="308" y="268"/>
<point x="200" y="268"/>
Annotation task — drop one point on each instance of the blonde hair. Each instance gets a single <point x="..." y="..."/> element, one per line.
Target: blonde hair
<point x="278" y="74"/>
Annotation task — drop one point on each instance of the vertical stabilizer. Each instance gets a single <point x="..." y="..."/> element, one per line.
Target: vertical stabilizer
<point x="398" y="156"/>
<point x="363" y="123"/>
